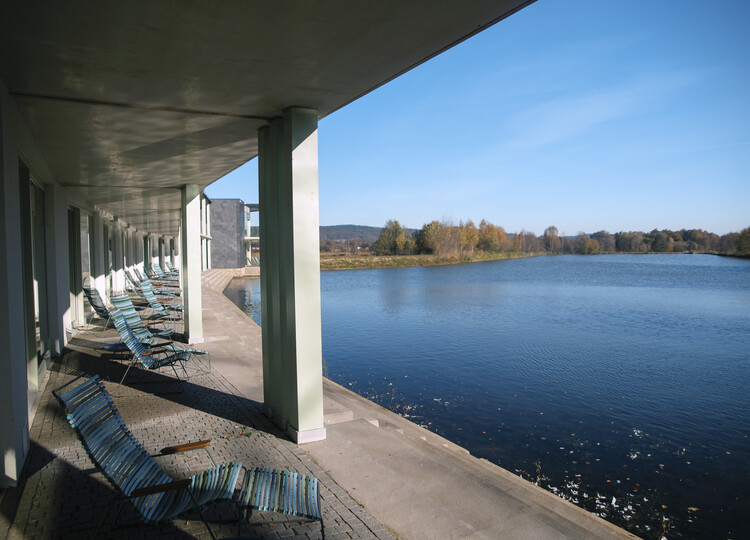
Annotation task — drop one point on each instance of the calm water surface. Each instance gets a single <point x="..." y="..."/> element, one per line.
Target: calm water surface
<point x="618" y="382"/>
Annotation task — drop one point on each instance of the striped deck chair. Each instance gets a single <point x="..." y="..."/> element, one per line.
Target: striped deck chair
<point x="168" y="272"/>
<point x="157" y="273"/>
<point x="159" y="289"/>
<point x="162" y="289"/>
<point x="152" y="359"/>
<point x="129" y="467"/>
<point x="145" y="336"/>
<point x="284" y="492"/>
<point x="159" y="311"/>
<point x="125" y="306"/>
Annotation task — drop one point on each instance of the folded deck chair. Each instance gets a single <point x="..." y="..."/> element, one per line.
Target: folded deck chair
<point x="161" y="290"/>
<point x="125" y="306"/>
<point x="149" y="339"/>
<point x="156" y="273"/>
<point x="129" y="467"/>
<point x="167" y="271"/>
<point x="159" y="311"/>
<point x="152" y="359"/>
<point x="97" y="304"/>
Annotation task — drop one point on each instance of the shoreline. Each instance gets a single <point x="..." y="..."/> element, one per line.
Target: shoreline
<point x="344" y="261"/>
<point x="369" y="262"/>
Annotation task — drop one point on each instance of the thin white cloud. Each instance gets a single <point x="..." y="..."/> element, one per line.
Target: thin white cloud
<point x="563" y="118"/>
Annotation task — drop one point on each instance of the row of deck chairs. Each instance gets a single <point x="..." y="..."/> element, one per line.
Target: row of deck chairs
<point x="149" y="348"/>
<point x="137" y="477"/>
<point x="134" y="473"/>
<point x="147" y="291"/>
<point x="254" y="261"/>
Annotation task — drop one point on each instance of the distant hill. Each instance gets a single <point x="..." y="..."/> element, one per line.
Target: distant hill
<point x="361" y="233"/>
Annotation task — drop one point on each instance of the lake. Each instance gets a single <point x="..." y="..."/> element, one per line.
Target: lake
<point x="619" y="382"/>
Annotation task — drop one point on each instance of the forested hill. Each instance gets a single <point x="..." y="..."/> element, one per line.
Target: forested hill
<point x="360" y="233"/>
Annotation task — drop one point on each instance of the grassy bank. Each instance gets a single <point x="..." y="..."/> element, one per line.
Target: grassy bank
<point x="343" y="261"/>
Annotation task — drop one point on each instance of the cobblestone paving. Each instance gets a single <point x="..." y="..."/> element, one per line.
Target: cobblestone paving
<point x="63" y="496"/>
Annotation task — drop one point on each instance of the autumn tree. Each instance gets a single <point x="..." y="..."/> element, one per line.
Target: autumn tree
<point x="606" y="241"/>
<point x="391" y="240"/>
<point x="492" y="238"/>
<point x="630" y="242"/>
<point x="468" y="236"/>
<point x="661" y="242"/>
<point x="743" y="241"/>
<point x="427" y="237"/>
<point x="551" y="240"/>
<point x="728" y="243"/>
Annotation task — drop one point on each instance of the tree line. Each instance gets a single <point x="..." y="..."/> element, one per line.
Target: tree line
<point x="463" y="239"/>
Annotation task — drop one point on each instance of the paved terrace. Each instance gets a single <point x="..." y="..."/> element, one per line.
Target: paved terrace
<point x="382" y="476"/>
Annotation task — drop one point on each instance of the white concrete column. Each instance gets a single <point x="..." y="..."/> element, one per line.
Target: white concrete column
<point x="118" y="259"/>
<point x="131" y="251"/>
<point x="14" y="419"/>
<point x="208" y="233"/>
<point x="178" y="258"/>
<point x="290" y="274"/>
<point x="191" y="263"/>
<point x="99" y="243"/>
<point x="140" y="252"/>
<point x="58" y="259"/>
<point x="154" y="244"/>
<point x="161" y="252"/>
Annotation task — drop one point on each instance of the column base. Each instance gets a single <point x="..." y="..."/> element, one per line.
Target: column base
<point x="307" y="436"/>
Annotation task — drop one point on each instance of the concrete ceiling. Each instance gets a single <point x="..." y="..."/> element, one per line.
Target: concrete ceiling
<point x="130" y="100"/>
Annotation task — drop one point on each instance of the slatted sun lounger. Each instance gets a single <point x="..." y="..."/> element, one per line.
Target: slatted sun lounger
<point x="283" y="492"/>
<point x="130" y="469"/>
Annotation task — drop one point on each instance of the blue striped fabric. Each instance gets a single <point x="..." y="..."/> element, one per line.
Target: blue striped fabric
<point x="145" y="336"/>
<point x="156" y="273"/>
<point x="140" y="350"/>
<point x="150" y="295"/>
<point x="285" y="492"/>
<point x="128" y="466"/>
<point x="125" y="306"/>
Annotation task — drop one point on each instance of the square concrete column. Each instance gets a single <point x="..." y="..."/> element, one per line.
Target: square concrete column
<point x="58" y="259"/>
<point x="191" y="263"/>
<point x="14" y="419"/>
<point x="162" y="251"/>
<point x="178" y="257"/>
<point x="290" y="274"/>
<point x="118" y="262"/>
<point x="99" y="244"/>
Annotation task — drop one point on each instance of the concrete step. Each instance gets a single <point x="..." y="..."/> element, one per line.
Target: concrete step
<point x="335" y="413"/>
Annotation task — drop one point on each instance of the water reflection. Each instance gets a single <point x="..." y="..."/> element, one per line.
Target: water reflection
<point x="616" y="382"/>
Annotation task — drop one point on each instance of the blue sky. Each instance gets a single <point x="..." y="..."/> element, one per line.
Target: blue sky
<point x="583" y="114"/>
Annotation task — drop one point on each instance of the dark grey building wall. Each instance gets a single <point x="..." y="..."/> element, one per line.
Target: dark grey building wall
<point x="227" y="233"/>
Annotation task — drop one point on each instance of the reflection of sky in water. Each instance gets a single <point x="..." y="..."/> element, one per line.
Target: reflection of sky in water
<point x="618" y="382"/>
